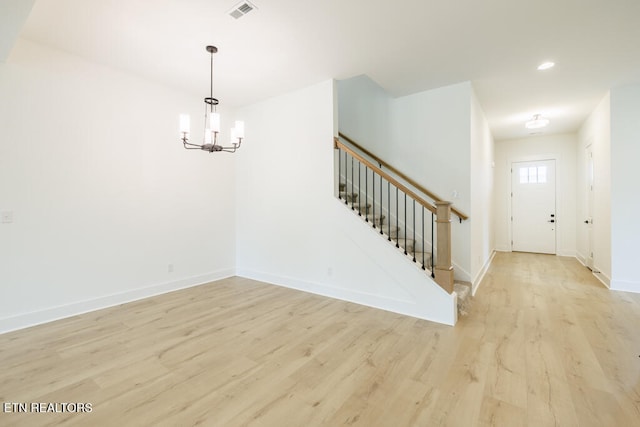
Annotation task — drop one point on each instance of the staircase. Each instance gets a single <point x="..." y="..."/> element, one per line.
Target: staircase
<point x="392" y="233"/>
<point x="406" y="246"/>
<point x="367" y="191"/>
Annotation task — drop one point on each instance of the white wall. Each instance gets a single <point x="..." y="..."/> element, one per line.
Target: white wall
<point x="102" y="193"/>
<point x="562" y="148"/>
<point x="596" y="131"/>
<point x="625" y="178"/>
<point x="293" y="231"/>
<point x="363" y="108"/>
<point x="430" y="134"/>
<point x="481" y="191"/>
<point x="430" y="137"/>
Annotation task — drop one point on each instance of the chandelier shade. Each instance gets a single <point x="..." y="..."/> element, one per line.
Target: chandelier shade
<point x="211" y="123"/>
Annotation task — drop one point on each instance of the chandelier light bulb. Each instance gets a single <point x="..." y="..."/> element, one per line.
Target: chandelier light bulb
<point x="185" y="123"/>
<point x="239" y="129"/>
<point x="214" y="122"/>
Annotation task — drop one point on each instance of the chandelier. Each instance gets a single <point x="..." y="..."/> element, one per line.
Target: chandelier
<point x="211" y="124"/>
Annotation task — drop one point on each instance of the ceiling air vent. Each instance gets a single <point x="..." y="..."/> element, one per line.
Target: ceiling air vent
<point x="241" y="9"/>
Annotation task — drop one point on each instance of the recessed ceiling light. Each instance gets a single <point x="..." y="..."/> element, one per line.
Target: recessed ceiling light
<point x="546" y="65"/>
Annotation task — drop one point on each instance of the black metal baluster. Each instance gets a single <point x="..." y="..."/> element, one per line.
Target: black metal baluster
<point x="340" y="173"/>
<point x="352" y="183"/>
<point x="381" y="232"/>
<point x="373" y="192"/>
<point x="346" y="188"/>
<point x="366" y="192"/>
<point x="346" y="180"/>
<point x="433" y="249"/>
<point x="359" y="191"/>
<point x="389" y="207"/>
<point x="413" y="214"/>
<point x="423" y="267"/>
<point x="405" y="223"/>
<point x="397" y="219"/>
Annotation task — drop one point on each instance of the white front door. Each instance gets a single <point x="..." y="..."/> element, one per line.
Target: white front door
<point x="533" y="206"/>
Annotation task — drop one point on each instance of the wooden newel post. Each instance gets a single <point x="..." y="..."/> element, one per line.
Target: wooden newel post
<point x="443" y="268"/>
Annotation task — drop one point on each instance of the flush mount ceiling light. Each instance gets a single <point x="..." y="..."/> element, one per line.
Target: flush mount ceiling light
<point x="546" y="65"/>
<point x="211" y="124"/>
<point x="537" y="122"/>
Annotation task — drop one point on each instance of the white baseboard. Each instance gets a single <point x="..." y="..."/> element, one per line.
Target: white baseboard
<point x="625" y="286"/>
<point x="26" y="320"/>
<point x="476" y="283"/>
<point x="571" y="254"/>
<point x="606" y="280"/>
<point x="404" y="307"/>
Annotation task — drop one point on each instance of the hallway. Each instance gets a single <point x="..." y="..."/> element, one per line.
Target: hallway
<point x="556" y="342"/>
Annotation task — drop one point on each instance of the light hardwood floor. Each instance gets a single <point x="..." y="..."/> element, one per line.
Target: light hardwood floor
<point x="545" y="344"/>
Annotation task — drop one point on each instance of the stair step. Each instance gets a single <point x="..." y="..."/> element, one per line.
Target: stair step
<point x="427" y="258"/>
<point x="463" y="290"/>
<point x="363" y="208"/>
<point x="348" y="196"/>
<point x="376" y="219"/>
<point x="391" y="231"/>
<point x="407" y="244"/>
<point x="341" y="186"/>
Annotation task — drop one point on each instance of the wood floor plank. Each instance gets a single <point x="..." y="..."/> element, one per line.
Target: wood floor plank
<point x="545" y="344"/>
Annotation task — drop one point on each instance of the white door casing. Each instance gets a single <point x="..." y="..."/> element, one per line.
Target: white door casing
<point x="588" y="221"/>
<point x="533" y="206"/>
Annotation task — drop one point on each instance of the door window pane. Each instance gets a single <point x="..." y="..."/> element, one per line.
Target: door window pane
<point x="542" y="174"/>
<point x="533" y="175"/>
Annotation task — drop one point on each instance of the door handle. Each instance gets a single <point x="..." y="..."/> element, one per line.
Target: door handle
<point x="586" y="221"/>
<point x="552" y="220"/>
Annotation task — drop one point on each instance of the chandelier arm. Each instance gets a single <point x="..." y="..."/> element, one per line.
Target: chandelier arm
<point x="193" y="147"/>
<point x="234" y="148"/>
<point x="228" y="149"/>
<point x="188" y="144"/>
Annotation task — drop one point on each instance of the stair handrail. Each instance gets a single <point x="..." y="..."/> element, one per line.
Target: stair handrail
<point x="430" y="207"/>
<point x="382" y="163"/>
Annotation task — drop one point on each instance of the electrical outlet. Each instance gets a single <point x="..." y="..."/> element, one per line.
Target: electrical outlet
<point x="170" y="268"/>
<point x="7" y="217"/>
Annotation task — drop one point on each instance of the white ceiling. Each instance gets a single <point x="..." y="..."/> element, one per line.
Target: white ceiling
<point x="406" y="46"/>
